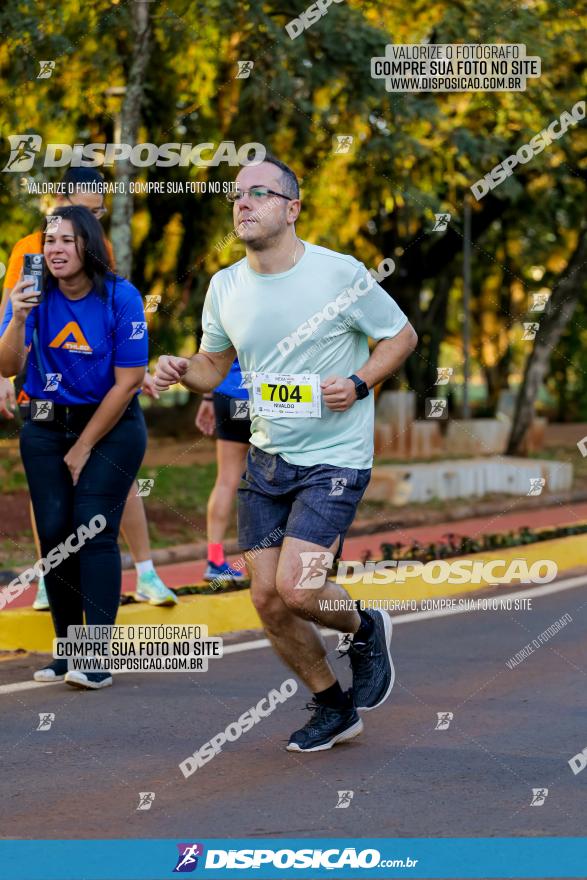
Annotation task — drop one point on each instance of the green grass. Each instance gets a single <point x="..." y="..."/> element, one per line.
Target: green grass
<point x="14" y="556"/>
<point x="11" y="478"/>
<point x="185" y="488"/>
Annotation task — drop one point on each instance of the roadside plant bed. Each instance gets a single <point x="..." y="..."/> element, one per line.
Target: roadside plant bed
<point x="195" y="590"/>
<point x="461" y="545"/>
<point x="455" y="545"/>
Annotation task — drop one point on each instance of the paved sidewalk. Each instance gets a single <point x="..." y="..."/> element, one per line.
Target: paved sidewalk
<point x="180" y="574"/>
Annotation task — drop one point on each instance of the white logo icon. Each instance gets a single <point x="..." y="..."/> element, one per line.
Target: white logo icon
<point x="582" y="446"/>
<point x="152" y="302"/>
<point x="42" y="410"/>
<point x="46" y="69"/>
<point x="344" y="642"/>
<point x="315" y="566"/>
<point x="441" y="222"/>
<point x="530" y="331"/>
<point x="536" y="485"/>
<point x="53" y="380"/>
<point x="343" y="143"/>
<point x="344" y="799"/>
<point x="145" y="487"/>
<point x="244" y="69"/>
<point x="338" y="484"/>
<point x="246" y="380"/>
<point x="23" y="151"/>
<point x="189" y="856"/>
<point x="443" y="374"/>
<point x="539" y="301"/>
<point x="539" y="795"/>
<point x="239" y="409"/>
<point x="46" y="719"/>
<point x="444" y="719"/>
<point x="146" y="799"/>
<point x="138" y="329"/>
<point x="53" y="224"/>
<point x="436" y="408"/>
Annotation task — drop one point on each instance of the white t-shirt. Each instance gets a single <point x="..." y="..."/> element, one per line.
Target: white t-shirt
<point x="314" y="318"/>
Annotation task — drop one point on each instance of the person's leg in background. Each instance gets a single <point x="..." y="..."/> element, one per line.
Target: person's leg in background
<point x="231" y="457"/>
<point x="51" y="489"/>
<point x="135" y="531"/>
<point x="41" y="601"/>
<point x="102" y="490"/>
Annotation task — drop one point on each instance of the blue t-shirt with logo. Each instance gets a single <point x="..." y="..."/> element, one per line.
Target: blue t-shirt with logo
<point x="79" y="342"/>
<point x="231" y="385"/>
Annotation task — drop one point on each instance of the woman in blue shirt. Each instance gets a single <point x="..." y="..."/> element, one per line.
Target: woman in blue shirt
<point x="85" y="437"/>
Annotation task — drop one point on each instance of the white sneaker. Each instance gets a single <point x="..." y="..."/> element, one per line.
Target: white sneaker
<point x="47" y="674"/>
<point x="41" y="602"/>
<point x="89" y="681"/>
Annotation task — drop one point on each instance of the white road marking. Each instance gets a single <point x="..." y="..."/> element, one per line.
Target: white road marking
<point x="411" y="617"/>
<point x="26" y="686"/>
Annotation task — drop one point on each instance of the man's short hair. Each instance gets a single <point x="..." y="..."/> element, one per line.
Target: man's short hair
<point x="82" y="174"/>
<point x="289" y="181"/>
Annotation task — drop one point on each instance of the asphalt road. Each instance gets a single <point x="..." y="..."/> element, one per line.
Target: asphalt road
<point x="513" y="730"/>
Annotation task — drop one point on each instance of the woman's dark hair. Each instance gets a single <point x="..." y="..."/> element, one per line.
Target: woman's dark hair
<point x="95" y="258"/>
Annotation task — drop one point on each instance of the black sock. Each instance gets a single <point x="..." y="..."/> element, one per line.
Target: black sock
<point x="365" y="629"/>
<point x="333" y="697"/>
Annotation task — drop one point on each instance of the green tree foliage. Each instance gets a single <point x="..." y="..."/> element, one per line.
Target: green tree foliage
<point x="413" y="155"/>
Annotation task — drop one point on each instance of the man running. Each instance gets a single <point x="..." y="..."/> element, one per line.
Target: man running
<point x="299" y="317"/>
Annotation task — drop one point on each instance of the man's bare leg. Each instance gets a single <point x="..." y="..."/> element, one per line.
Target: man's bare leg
<point x="314" y="603"/>
<point x="369" y="651"/>
<point x="297" y="641"/>
<point x="291" y="614"/>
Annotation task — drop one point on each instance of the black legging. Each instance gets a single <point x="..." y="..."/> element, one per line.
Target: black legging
<point x="88" y="581"/>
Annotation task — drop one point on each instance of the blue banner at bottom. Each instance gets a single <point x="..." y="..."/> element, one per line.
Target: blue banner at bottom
<point x="304" y="858"/>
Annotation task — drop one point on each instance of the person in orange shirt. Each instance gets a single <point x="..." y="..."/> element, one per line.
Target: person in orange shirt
<point x="149" y="588"/>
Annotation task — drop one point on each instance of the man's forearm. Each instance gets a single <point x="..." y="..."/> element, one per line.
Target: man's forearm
<point x="202" y="374"/>
<point x="388" y="356"/>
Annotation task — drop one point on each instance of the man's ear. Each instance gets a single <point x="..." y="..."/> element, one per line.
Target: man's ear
<point x="293" y="210"/>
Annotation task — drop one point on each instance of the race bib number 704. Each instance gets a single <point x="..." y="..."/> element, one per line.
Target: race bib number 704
<point x="290" y="395"/>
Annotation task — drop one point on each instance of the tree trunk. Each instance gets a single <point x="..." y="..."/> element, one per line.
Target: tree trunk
<point x="563" y="299"/>
<point x="130" y="117"/>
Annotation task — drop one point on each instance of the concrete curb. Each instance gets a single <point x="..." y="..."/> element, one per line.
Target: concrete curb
<point x="232" y="612"/>
<point x="395" y="519"/>
<point x="459" y="511"/>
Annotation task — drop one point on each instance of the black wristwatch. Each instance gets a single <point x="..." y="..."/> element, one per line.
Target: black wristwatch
<point x="360" y="387"/>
